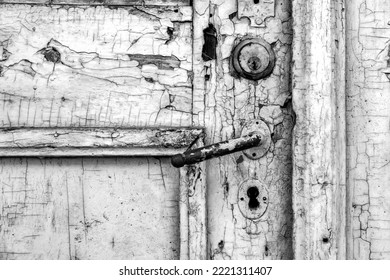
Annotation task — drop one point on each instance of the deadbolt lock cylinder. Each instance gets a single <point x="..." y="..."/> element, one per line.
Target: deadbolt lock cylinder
<point x="253" y="59"/>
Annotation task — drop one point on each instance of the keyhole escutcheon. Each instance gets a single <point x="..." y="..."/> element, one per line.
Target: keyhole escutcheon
<point x="252" y="199"/>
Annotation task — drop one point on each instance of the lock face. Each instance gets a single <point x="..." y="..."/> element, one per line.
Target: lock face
<point x="253" y="59"/>
<point x="252" y="199"/>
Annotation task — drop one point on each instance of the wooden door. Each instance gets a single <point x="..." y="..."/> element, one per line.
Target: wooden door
<point x="97" y="96"/>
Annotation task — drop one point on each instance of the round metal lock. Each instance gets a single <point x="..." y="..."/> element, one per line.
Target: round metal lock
<point x="253" y="199"/>
<point x="253" y="59"/>
<point x="260" y="127"/>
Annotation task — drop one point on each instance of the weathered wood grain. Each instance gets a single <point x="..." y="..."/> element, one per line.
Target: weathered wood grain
<point x="319" y="145"/>
<point x="368" y="107"/>
<point x="184" y="221"/>
<point x="197" y="209"/>
<point x="95" y="66"/>
<point x="193" y="212"/>
<point x="137" y="67"/>
<point x="228" y="104"/>
<point x="111" y="208"/>
<point x="96" y="141"/>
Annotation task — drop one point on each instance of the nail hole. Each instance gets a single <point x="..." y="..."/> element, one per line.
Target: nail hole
<point x="241" y="198"/>
<point x="264" y="198"/>
<point x="254" y="154"/>
<point x="170" y="31"/>
<point x="325" y="239"/>
<point x="221" y="244"/>
<point x="240" y="159"/>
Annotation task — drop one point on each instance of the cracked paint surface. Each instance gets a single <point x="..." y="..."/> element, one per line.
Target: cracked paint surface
<point x="112" y="67"/>
<point x="89" y="208"/>
<point x="319" y="190"/>
<point x="229" y="103"/>
<point x="92" y="67"/>
<point x="368" y="108"/>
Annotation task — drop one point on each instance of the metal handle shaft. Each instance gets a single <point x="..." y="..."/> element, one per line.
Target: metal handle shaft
<point x="216" y="150"/>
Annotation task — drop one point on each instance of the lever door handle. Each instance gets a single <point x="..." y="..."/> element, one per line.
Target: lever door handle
<point x="218" y="149"/>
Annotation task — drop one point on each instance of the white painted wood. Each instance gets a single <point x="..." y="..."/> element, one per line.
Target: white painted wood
<point x="193" y="213"/>
<point x="319" y="147"/>
<point x="96" y="81"/>
<point x="121" y="67"/>
<point x="96" y="141"/>
<point x="184" y="218"/>
<point x="368" y="112"/>
<point x="200" y="22"/>
<point x="89" y="208"/>
<point x="197" y="209"/>
<point x="197" y="212"/>
<point x="112" y="67"/>
<point x="102" y="2"/>
<point x="230" y="102"/>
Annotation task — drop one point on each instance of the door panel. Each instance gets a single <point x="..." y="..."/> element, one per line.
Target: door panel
<point x="89" y="208"/>
<point x="92" y="81"/>
<point x="95" y="66"/>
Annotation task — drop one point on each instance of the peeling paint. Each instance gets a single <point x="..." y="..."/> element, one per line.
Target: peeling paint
<point x="368" y="128"/>
<point x="116" y="67"/>
<point x="82" y="215"/>
<point x="228" y="105"/>
<point x="210" y="43"/>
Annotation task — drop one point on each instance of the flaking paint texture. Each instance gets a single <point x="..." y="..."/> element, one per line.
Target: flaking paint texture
<point x="229" y="103"/>
<point x="368" y="107"/>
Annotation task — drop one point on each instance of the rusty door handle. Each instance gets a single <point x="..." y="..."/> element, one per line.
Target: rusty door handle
<point x="216" y="150"/>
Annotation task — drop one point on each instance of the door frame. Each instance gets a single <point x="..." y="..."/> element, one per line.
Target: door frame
<point x="321" y="215"/>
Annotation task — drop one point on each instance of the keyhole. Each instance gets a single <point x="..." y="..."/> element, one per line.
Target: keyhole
<point x="253" y="193"/>
<point x="254" y="63"/>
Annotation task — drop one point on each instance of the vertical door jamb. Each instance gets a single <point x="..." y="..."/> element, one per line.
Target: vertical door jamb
<point x="193" y="208"/>
<point x="319" y="140"/>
